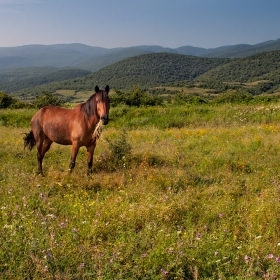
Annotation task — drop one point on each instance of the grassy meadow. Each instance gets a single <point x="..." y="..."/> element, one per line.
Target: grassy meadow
<point x="186" y="192"/>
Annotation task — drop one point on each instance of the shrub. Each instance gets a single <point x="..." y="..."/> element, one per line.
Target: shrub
<point x="194" y="98"/>
<point x="46" y="99"/>
<point x="136" y="97"/>
<point x="265" y="99"/>
<point x="6" y="101"/>
<point x="119" y="147"/>
<point x="234" y="97"/>
<point x="118" y="156"/>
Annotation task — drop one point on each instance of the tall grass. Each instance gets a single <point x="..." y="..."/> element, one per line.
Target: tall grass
<point x="194" y="116"/>
<point x="198" y="200"/>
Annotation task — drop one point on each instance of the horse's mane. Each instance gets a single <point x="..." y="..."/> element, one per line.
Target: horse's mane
<point x="89" y="107"/>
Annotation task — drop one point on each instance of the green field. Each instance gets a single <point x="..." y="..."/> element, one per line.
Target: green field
<point x="196" y="197"/>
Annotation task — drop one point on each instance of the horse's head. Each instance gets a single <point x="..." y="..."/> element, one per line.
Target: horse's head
<point x="102" y="104"/>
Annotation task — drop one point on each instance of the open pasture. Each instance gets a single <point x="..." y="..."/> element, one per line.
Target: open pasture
<point x="78" y="96"/>
<point x="197" y="197"/>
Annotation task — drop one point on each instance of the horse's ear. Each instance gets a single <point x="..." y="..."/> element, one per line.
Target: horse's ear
<point x="107" y="88"/>
<point x="96" y="88"/>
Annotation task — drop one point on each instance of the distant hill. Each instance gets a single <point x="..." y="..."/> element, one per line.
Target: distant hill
<point x="94" y="58"/>
<point x="256" y="67"/>
<point x="152" y="70"/>
<point x="98" y="62"/>
<point x="235" y="51"/>
<point x="38" y="80"/>
<point x="60" y="55"/>
<point x="145" y="70"/>
<point x="22" y="73"/>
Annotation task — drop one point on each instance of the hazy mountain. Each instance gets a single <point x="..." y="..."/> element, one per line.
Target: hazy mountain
<point x="189" y="50"/>
<point x="95" y="58"/>
<point x="95" y="62"/>
<point x="235" y="51"/>
<point x="47" y="55"/>
<point x="29" y="81"/>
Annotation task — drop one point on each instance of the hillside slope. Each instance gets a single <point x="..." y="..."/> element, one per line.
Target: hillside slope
<point x="256" y="67"/>
<point x="25" y="73"/>
<point x="97" y="62"/>
<point x="147" y="70"/>
<point x="155" y="69"/>
<point x="152" y="70"/>
<point x="58" y="75"/>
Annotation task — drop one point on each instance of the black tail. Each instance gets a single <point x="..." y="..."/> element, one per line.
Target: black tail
<point x="29" y="140"/>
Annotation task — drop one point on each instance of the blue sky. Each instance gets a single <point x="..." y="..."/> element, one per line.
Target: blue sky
<point x="124" y="23"/>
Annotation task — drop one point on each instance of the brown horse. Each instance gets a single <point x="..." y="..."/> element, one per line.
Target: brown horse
<point x="69" y="127"/>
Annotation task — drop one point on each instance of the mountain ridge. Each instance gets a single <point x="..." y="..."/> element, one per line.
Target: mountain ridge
<point x="147" y="70"/>
<point x="159" y="69"/>
<point x="93" y="58"/>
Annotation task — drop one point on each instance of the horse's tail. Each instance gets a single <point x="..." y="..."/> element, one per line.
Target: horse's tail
<point x="29" y="140"/>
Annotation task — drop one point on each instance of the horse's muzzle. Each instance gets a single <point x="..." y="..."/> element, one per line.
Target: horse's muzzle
<point x="105" y="119"/>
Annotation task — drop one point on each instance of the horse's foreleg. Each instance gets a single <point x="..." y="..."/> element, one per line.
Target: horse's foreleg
<point x="74" y="152"/>
<point x="90" y="152"/>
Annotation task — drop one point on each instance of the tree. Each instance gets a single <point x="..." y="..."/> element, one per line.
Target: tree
<point x="6" y="100"/>
<point x="46" y="99"/>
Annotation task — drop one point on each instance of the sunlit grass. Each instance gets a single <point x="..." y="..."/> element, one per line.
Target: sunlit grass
<point x="196" y="202"/>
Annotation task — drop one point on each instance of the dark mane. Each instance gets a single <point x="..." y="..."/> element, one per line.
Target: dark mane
<point x="89" y="107"/>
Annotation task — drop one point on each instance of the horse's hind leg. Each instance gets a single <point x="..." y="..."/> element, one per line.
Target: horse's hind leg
<point x="43" y="145"/>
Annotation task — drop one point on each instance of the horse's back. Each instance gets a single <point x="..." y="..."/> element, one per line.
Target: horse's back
<point x="48" y="114"/>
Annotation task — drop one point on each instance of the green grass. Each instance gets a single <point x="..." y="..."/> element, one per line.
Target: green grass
<point x="199" y="200"/>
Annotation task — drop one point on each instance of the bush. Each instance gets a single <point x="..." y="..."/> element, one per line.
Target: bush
<point x="119" y="148"/>
<point x="118" y="156"/>
<point x="46" y="99"/>
<point x="181" y="99"/>
<point x="234" y="97"/>
<point x="265" y="99"/>
<point x="6" y="101"/>
<point x="215" y="85"/>
<point x="136" y="97"/>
